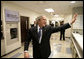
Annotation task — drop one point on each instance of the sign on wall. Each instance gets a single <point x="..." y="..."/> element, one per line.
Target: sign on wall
<point x="11" y="15"/>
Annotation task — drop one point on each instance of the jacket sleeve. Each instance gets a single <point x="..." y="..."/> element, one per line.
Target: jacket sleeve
<point x="57" y="29"/>
<point x="27" y="40"/>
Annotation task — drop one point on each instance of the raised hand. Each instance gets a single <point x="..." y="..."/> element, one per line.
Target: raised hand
<point x="74" y="18"/>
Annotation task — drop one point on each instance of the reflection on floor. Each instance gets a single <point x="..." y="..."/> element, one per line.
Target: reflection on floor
<point x="60" y="49"/>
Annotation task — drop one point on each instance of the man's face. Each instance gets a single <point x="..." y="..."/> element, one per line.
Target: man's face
<point x="42" y="21"/>
<point x="35" y="22"/>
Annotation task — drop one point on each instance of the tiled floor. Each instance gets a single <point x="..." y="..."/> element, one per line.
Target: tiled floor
<point x="60" y="49"/>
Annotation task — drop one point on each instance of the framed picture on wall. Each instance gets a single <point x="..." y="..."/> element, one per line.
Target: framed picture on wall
<point x="11" y="15"/>
<point x="13" y="32"/>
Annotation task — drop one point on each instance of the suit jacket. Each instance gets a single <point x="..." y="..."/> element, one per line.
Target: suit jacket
<point x="62" y="31"/>
<point x="44" y="47"/>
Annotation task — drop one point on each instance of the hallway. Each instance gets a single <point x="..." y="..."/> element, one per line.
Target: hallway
<point x="19" y="16"/>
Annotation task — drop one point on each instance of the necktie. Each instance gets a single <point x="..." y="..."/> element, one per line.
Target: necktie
<point x="39" y="33"/>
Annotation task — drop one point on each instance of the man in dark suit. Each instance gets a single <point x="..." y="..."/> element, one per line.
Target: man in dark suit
<point x="40" y="36"/>
<point x="35" y="23"/>
<point x="62" y="32"/>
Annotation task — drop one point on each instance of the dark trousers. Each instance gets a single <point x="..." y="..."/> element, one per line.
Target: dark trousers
<point x="62" y="35"/>
<point x="37" y="55"/>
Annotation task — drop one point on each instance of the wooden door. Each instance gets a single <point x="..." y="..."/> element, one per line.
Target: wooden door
<point x="24" y="27"/>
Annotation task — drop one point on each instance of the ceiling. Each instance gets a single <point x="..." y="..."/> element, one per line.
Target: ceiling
<point x="60" y="7"/>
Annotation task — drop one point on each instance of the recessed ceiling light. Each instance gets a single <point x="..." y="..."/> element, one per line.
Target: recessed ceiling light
<point x="56" y="15"/>
<point x="49" y="10"/>
<point x="73" y="2"/>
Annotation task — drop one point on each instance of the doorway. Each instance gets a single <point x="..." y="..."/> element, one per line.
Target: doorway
<point x="24" y="27"/>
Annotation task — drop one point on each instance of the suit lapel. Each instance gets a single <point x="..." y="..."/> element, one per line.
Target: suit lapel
<point x="36" y="33"/>
<point x="43" y="31"/>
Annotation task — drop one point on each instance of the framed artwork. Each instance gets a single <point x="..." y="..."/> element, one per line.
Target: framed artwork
<point x="11" y="15"/>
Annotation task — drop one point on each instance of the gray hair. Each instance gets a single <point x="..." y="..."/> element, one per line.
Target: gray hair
<point x="38" y="18"/>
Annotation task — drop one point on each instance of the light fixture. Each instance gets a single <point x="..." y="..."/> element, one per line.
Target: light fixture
<point x="73" y="2"/>
<point x="56" y="15"/>
<point x="49" y="10"/>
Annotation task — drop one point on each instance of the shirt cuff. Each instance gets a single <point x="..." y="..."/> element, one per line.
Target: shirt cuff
<point x="26" y="51"/>
<point x="69" y="23"/>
